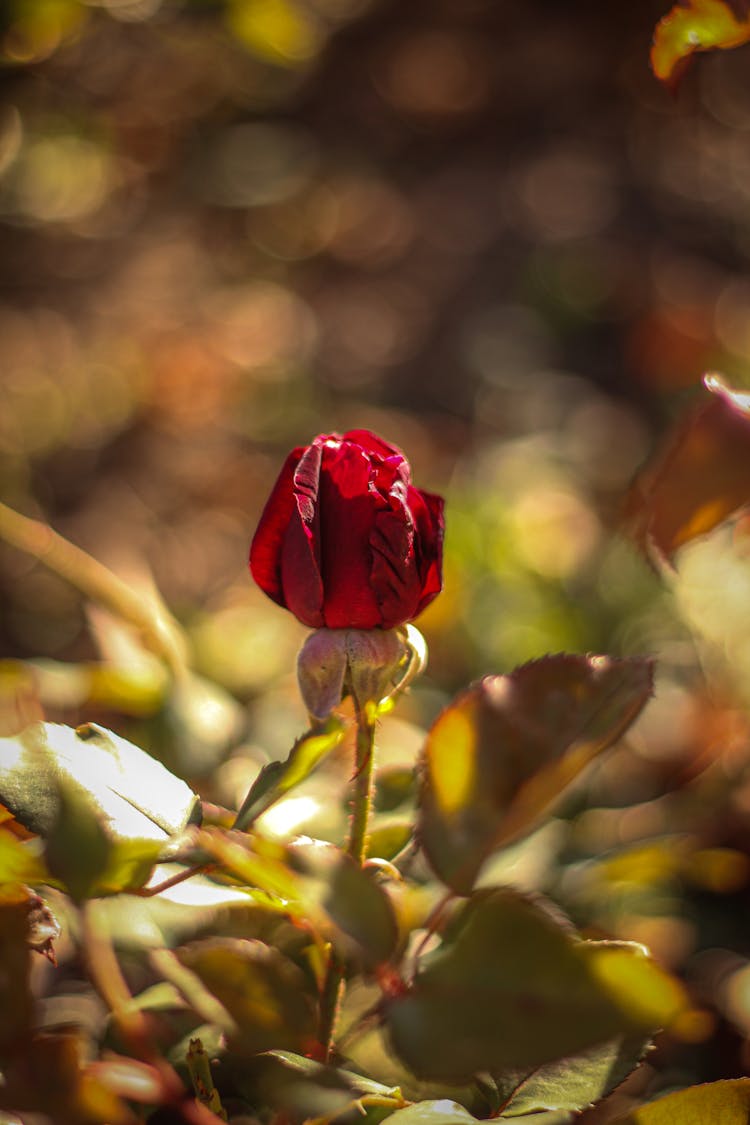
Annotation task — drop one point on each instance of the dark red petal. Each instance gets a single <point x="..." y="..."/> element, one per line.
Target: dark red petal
<point x="427" y="509"/>
<point x="347" y="508"/>
<point x="373" y="445"/>
<point x="301" y="577"/>
<point x="395" y="575"/>
<point x="266" y="547"/>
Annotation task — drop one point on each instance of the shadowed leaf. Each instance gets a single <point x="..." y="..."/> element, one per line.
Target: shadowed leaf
<point x="512" y="988"/>
<point x="356" y="904"/>
<point x="304" y="1088"/>
<point x="77" y="849"/>
<point x="263" y="993"/>
<point x="699" y="478"/>
<point x="502" y="752"/>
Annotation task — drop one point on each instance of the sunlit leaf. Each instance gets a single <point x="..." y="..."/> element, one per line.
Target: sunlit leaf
<point x="698" y="478"/>
<point x="690" y="26"/>
<point x="236" y="854"/>
<point x="726" y="1102"/>
<point x="503" y="751"/>
<point x="263" y="992"/>
<point x="19" y="862"/>
<point x="512" y="988"/>
<point x="277" y="778"/>
<point x="137" y="798"/>
<point x="85" y="858"/>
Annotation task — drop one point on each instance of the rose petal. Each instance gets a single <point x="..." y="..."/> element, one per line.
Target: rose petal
<point x="347" y="511"/>
<point x="427" y="509"/>
<point x="301" y="577"/>
<point x="374" y="445"/>
<point x="266" y="548"/>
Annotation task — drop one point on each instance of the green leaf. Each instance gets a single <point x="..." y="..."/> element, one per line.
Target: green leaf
<point x="305" y="1089"/>
<point x="393" y="787"/>
<point x="78" y="848"/>
<point x="575" y="1082"/>
<point x="512" y="988"/>
<point x="389" y="838"/>
<point x="356" y="904"/>
<point x="129" y="866"/>
<point x="545" y="1117"/>
<point x="237" y="855"/>
<point x="19" y="863"/>
<point x="263" y="994"/>
<point x="136" y="797"/>
<point x="277" y="778"/>
<point x="725" y="1102"/>
<point x="503" y="751"/>
<point x="442" y="1112"/>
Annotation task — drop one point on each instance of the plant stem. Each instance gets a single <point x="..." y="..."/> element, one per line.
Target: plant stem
<point x="363" y="784"/>
<point x="361" y="805"/>
<point x="160" y="631"/>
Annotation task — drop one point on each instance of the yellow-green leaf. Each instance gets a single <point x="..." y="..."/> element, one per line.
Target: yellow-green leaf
<point x="723" y="1103"/>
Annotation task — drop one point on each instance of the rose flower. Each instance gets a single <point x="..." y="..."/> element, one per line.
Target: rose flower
<point x="345" y="540"/>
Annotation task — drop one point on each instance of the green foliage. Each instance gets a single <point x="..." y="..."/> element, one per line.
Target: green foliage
<point x="510" y="995"/>
<point x="511" y="988"/>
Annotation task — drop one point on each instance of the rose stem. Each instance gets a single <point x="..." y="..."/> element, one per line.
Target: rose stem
<point x="363" y="784"/>
<point x="333" y="984"/>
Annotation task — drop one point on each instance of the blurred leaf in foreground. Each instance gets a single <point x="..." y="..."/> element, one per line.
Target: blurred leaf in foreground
<point x="262" y="993"/>
<point x="48" y="1078"/>
<point x="696" y="25"/>
<point x="16" y="1006"/>
<point x="503" y="751"/>
<point x="699" y="478"/>
<point x="727" y="1103"/>
<point x="511" y="987"/>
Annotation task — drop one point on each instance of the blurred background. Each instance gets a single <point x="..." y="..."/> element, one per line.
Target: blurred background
<point x="478" y="227"/>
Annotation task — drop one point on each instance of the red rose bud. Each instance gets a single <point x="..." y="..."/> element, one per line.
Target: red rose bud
<point x="345" y="541"/>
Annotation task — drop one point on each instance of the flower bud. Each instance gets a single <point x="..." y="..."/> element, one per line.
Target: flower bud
<point x="368" y="664"/>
